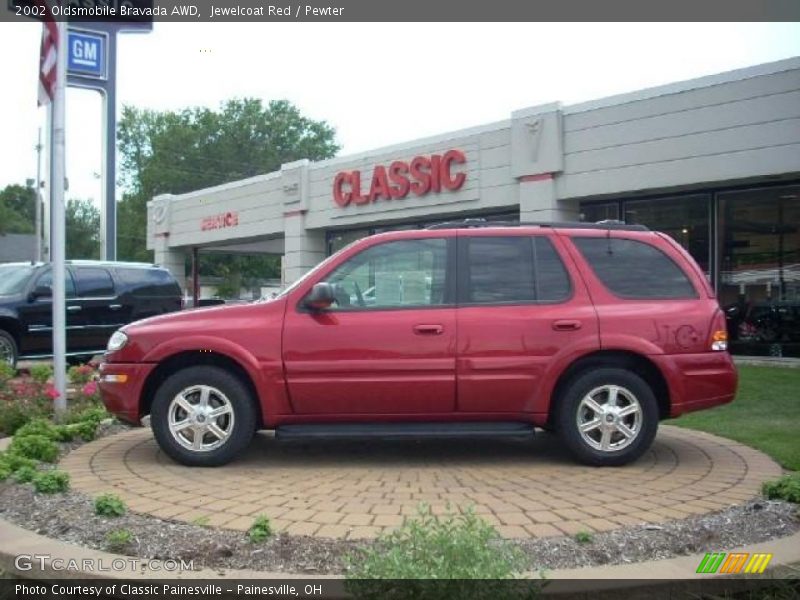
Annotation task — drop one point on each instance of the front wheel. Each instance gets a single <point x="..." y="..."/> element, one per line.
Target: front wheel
<point x="8" y="349"/>
<point x="203" y="416"/>
<point x="608" y="417"/>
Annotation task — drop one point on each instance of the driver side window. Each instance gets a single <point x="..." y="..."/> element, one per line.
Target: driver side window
<point x="46" y="280"/>
<point x="397" y="274"/>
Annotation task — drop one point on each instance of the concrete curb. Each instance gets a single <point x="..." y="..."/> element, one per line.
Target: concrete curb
<point x="17" y="541"/>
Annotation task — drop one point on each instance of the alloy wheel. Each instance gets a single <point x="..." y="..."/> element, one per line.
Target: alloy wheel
<point x="609" y="418"/>
<point x="201" y="418"/>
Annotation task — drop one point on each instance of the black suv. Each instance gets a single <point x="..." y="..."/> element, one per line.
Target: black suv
<point x="101" y="298"/>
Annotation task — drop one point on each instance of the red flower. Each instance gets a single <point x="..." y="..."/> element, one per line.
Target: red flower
<point x="51" y="392"/>
<point x="90" y="389"/>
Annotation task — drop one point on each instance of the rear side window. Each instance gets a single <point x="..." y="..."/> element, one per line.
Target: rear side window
<point x="634" y="269"/>
<point x="93" y="282"/>
<point x="513" y="270"/>
<point x="149" y="282"/>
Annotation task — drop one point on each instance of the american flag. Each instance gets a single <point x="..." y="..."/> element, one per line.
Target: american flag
<point x="48" y="55"/>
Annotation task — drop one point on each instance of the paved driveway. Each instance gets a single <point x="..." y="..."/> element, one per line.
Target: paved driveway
<point x="358" y="489"/>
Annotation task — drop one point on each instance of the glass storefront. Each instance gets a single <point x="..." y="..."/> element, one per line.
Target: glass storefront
<point x="759" y="270"/>
<point x="751" y="254"/>
<point x="341" y="238"/>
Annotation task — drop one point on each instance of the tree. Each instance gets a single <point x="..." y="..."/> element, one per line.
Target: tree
<point x="177" y="152"/>
<point x="82" y="222"/>
<point x="17" y="209"/>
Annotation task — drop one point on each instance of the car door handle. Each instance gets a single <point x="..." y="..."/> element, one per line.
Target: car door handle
<point x="428" y="329"/>
<point x="567" y="325"/>
<point x="115" y="306"/>
<point x="73" y="308"/>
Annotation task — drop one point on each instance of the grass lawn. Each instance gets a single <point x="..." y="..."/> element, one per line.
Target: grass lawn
<point x="764" y="415"/>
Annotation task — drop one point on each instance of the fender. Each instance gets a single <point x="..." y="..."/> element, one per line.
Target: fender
<point x="629" y="343"/>
<point x="621" y="342"/>
<point x="267" y="378"/>
<point x="8" y="313"/>
<point x="557" y="364"/>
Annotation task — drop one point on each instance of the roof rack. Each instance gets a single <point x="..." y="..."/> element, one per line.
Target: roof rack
<point x="604" y="225"/>
<point x="107" y="263"/>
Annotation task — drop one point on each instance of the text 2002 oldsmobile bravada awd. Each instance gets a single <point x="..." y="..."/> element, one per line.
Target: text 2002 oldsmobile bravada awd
<point x="594" y="331"/>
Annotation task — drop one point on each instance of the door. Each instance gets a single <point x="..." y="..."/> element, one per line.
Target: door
<point x="387" y="346"/>
<point x="37" y="317"/>
<point x="99" y="308"/>
<point x="519" y="309"/>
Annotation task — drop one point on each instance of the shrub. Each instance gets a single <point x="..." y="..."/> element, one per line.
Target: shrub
<point x="13" y="462"/>
<point x="41" y="372"/>
<point x="25" y="474"/>
<point x="436" y="558"/>
<point x="583" y="537"/>
<point x="260" y="529"/>
<point x="7" y="373"/>
<point x="34" y="446"/>
<point x="785" y="488"/>
<point x="117" y="539"/>
<point x="5" y="472"/>
<point x="51" y="482"/>
<point x="109" y="505"/>
<point x="22" y="400"/>
<point x="80" y="374"/>
<point x="12" y="416"/>
<point x="39" y="426"/>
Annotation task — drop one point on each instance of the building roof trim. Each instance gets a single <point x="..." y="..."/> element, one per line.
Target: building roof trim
<point x="789" y="64"/>
<point x="231" y="185"/>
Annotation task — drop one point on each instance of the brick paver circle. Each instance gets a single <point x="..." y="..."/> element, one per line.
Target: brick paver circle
<point x="358" y="489"/>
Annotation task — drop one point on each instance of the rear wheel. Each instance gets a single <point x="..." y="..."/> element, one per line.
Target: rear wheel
<point x="203" y="416"/>
<point x="608" y="417"/>
<point x="8" y="349"/>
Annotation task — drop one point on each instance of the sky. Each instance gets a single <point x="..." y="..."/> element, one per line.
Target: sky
<point x="377" y="84"/>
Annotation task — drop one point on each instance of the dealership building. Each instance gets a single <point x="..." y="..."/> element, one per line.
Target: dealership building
<point x="714" y="162"/>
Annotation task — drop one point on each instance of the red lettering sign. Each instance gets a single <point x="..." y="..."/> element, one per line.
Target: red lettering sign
<point x="220" y="221"/>
<point x="419" y="176"/>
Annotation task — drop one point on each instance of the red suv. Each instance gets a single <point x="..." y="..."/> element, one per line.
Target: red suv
<point x="596" y="331"/>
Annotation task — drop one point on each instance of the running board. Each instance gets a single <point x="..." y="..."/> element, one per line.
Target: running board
<point x="399" y="431"/>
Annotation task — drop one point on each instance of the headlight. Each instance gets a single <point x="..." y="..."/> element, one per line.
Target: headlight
<point x="117" y="341"/>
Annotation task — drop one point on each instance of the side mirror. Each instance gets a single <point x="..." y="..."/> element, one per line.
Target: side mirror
<point x="320" y="297"/>
<point x="41" y="291"/>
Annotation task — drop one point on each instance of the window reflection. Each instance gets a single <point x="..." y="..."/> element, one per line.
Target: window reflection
<point x="759" y="249"/>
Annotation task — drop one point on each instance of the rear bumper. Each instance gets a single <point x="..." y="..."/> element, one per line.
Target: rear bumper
<point x="698" y="381"/>
<point x="122" y="399"/>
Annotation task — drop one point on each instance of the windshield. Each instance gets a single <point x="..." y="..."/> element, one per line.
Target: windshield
<point x="13" y="278"/>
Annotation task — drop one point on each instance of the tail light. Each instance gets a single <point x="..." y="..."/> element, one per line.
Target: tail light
<point x="719" y="340"/>
<point x="719" y="333"/>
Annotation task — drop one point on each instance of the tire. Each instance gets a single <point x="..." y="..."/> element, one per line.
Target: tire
<point x="607" y="443"/>
<point x="179" y="417"/>
<point x="8" y="349"/>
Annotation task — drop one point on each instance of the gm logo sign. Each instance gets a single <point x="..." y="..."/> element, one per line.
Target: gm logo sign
<point x="86" y="53"/>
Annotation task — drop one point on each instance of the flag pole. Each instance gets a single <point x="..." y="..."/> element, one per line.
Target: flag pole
<point x="57" y="242"/>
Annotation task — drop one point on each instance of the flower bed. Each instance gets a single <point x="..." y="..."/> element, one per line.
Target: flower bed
<point x="30" y="396"/>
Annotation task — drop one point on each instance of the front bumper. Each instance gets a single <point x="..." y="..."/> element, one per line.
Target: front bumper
<point x="121" y="387"/>
<point x="698" y="381"/>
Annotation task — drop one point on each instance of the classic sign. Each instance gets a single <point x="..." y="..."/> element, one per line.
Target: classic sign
<point x="419" y="176"/>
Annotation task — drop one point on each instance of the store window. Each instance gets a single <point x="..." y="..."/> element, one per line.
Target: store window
<point x="685" y="218"/>
<point x="605" y="211"/>
<point x="759" y="282"/>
